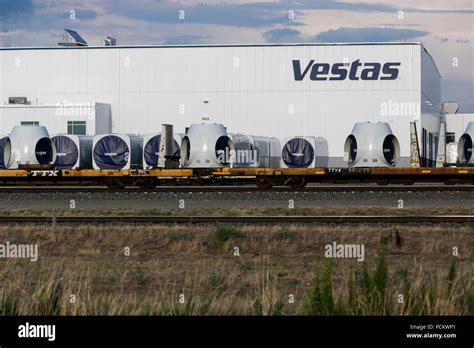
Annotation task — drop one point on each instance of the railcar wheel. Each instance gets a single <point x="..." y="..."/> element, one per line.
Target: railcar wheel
<point x="197" y="182"/>
<point x="263" y="182"/>
<point x="297" y="182"/>
<point x="148" y="184"/>
<point x="115" y="185"/>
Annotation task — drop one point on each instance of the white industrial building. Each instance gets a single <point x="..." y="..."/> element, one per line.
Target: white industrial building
<point x="266" y="90"/>
<point x="89" y="118"/>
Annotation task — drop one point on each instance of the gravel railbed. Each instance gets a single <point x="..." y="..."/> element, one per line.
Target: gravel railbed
<point x="167" y="200"/>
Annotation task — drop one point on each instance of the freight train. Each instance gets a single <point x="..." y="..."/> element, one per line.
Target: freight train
<point x="202" y="146"/>
<point x="207" y="153"/>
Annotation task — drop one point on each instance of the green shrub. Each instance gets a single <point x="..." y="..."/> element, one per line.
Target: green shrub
<point x="320" y="300"/>
<point x="179" y="236"/>
<point x="223" y="234"/>
<point x="283" y="234"/>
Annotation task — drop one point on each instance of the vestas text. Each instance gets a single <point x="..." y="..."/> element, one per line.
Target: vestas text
<point x="341" y="71"/>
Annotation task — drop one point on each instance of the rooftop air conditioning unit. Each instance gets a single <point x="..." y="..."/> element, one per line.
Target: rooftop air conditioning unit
<point x="28" y="145"/>
<point x="206" y="146"/>
<point x="372" y="145"/>
<point x="304" y="152"/>
<point x="73" y="151"/>
<point x="18" y="100"/>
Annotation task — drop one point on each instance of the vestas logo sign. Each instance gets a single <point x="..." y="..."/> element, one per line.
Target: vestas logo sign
<point x="341" y="71"/>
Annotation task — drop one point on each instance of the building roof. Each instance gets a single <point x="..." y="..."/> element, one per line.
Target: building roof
<point x="414" y="43"/>
<point x="217" y="45"/>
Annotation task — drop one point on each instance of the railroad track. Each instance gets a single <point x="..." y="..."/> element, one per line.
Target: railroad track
<point x="185" y="189"/>
<point x="240" y="219"/>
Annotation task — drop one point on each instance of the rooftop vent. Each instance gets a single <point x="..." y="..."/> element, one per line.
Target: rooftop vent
<point x="17" y="100"/>
<point x="450" y="107"/>
<point x="72" y="38"/>
<point x="110" y="41"/>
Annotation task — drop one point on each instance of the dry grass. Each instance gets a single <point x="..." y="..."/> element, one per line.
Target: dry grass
<point x="274" y="264"/>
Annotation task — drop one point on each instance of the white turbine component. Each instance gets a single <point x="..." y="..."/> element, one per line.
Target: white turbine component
<point x="3" y="154"/>
<point x="255" y="152"/>
<point x="452" y="153"/>
<point x="371" y="145"/>
<point x="268" y="152"/>
<point x="151" y="148"/>
<point x="206" y="146"/>
<point x="111" y="151"/>
<point x="304" y="152"/>
<point x="245" y="155"/>
<point x="73" y="151"/>
<point x="28" y="145"/>
<point x="465" y="145"/>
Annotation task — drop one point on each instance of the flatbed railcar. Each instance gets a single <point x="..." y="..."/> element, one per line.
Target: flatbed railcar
<point x="261" y="177"/>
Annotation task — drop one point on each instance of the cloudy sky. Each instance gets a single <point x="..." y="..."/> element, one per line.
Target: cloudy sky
<point x="445" y="27"/>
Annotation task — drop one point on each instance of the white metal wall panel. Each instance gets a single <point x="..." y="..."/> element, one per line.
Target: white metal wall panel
<point x="457" y="123"/>
<point x="430" y="80"/>
<point x="251" y="89"/>
<point x="96" y="117"/>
